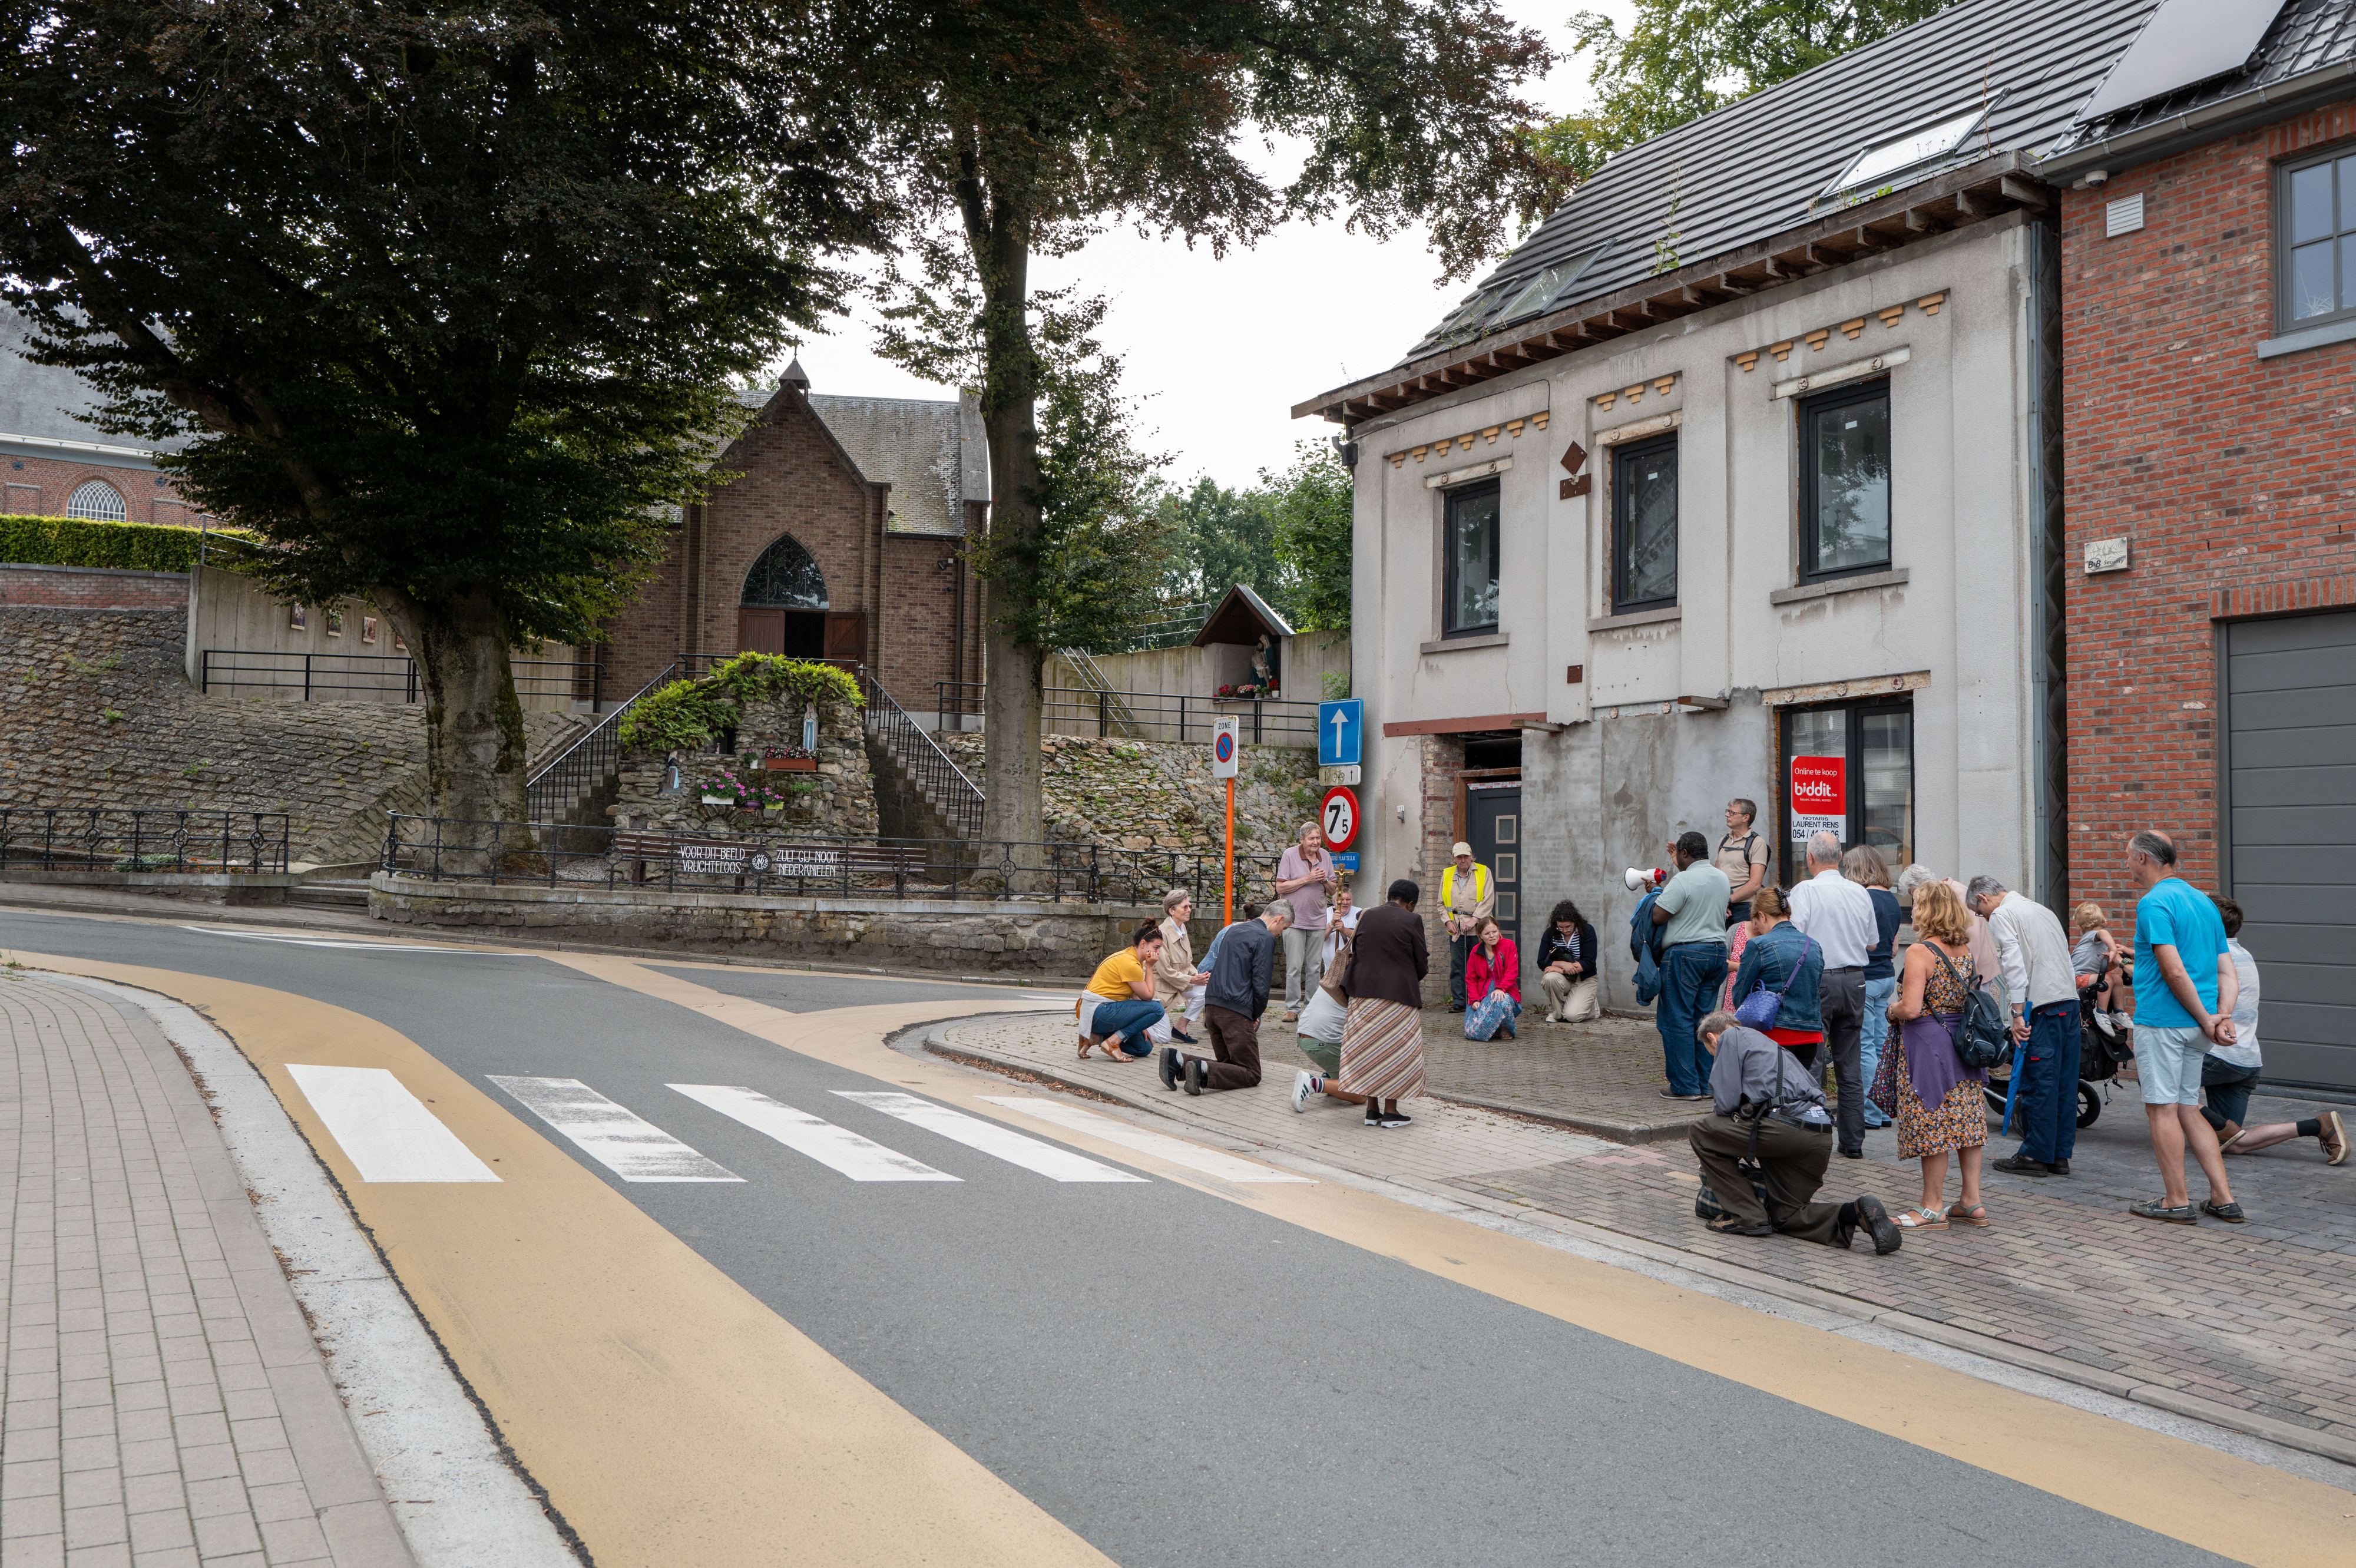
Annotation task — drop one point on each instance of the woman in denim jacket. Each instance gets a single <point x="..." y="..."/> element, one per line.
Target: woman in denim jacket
<point x="1780" y="957"/>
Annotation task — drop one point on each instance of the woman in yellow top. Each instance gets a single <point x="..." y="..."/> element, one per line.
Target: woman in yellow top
<point x="1118" y="1007"/>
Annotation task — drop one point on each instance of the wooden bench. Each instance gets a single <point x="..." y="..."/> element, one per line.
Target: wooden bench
<point x="741" y="858"/>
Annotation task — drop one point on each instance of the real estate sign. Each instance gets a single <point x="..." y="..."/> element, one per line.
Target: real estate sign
<point x="1819" y="796"/>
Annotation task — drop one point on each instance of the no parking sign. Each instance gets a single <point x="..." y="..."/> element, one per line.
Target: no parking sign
<point x="1226" y="748"/>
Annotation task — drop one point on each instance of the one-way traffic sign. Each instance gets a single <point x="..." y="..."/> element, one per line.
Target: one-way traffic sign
<point x="1341" y="728"/>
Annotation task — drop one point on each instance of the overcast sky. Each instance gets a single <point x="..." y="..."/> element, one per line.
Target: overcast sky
<point x="1221" y="350"/>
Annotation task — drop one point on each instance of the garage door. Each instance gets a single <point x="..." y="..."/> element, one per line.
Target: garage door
<point x="2290" y="722"/>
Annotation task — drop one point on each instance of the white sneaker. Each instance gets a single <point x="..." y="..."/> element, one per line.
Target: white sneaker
<point x="1305" y="1084"/>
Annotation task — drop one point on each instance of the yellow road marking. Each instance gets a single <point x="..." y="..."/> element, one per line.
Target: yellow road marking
<point x="2238" y="1510"/>
<point x="674" y="1418"/>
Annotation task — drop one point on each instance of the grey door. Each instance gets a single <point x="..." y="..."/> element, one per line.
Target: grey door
<point x="1493" y="829"/>
<point x="2290" y="834"/>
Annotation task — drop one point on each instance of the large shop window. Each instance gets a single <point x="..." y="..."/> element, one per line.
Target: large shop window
<point x="1844" y="482"/>
<point x="1644" y="524"/>
<point x="1469" y="591"/>
<point x="1848" y="769"/>
<point x="2315" y="219"/>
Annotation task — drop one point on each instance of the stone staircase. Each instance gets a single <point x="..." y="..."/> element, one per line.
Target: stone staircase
<point x="920" y="792"/>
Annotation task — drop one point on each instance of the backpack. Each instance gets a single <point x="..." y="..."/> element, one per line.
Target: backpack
<point x="1983" y="1032"/>
<point x="2099" y="1053"/>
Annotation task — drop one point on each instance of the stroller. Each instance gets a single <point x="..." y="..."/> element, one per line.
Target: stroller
<point x="2100" y="1055"/>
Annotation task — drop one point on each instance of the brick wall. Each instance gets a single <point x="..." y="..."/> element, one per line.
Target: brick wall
<point x="92" y="587"/>
<point x="793" y="478"/>
<point x="40" y="487"/>
<point x="2230" y="477"/>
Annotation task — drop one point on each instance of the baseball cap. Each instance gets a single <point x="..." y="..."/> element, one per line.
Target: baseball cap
<point x="1462" y="849"/>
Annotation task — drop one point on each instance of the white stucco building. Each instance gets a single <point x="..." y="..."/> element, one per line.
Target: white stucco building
<point x="1742" y="472"/>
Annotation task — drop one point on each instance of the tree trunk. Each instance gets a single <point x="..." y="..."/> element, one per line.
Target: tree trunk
<point x="475" y="747"/>
<point x="998" y="231"/>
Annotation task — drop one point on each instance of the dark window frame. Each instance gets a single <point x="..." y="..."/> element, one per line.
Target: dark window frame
<point x="1803" y="427"/>
<point x="1789" y="861"/>
<point x="2343" y="287"/>
<point x="1451" y="501"/>
<point x="1622" y="455"/>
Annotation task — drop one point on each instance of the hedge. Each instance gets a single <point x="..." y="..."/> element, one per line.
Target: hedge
<point x="687" y="713"/>
<point x="86" y="542"/>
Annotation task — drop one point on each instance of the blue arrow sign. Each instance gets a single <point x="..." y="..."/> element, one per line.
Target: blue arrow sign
<point x="1341" y="733"/>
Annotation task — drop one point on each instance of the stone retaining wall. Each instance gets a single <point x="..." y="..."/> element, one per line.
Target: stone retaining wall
<point x="842" y="803"/>
<point x="1061" y="940"/>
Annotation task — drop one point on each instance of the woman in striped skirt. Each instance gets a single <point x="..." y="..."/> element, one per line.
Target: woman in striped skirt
<point x="1382" y="1044"/>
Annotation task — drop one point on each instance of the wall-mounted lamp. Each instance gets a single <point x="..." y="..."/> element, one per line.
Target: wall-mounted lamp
<point x="1402" y="811"/>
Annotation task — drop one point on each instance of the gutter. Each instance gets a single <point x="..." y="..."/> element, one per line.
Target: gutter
<point x="2163" y="137"/>
<point x="54" y="445"/>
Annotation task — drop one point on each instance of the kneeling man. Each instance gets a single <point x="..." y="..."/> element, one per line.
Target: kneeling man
<point x="1772" y="1111"/>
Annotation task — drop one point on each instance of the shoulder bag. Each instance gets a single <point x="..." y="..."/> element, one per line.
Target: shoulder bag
<point x="1758" y="1010"/>
<point x="1982" y="1032"/>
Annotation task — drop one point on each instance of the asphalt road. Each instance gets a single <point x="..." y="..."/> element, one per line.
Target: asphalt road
<point x="1177" y="1377"/>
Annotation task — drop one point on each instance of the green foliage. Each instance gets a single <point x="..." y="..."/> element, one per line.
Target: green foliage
<point x="123" y="546"/>
<point x="762" y="677"/>
<point x="1216" y="538"/>
<point x="1681" y="59"/>
<point x="687" y="713"/>
<point x="1309" y="504"/>
<point x="680" y="716"/>
<point x="1335" y="686"/>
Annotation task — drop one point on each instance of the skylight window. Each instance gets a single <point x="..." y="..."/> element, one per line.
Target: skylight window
<point x="1540" y="294"/>
<point x="1462" y="324"/>
<point x="1878" y="166"/>
<point x="1499" y="303"/>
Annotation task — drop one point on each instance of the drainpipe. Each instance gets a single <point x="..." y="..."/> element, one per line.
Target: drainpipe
<point x="2049" y="639"/>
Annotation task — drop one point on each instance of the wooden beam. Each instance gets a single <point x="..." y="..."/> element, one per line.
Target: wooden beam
<point x="1964" y="205"/>
<point x="1460" y="726"/>
<point x="2021" y="190"/>
<point x="1867" y="241"/>
<point x="1921" y="221"/>
<point x="1724" y="282"/>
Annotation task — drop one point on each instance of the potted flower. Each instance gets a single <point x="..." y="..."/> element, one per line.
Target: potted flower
<point x="789" y="760"/>
<point x="724" y="788"/>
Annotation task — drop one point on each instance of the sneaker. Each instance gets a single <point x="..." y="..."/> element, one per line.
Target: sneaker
<point x="1194" y="1075"/>
<point x="2153" y="1209"/>
<point x="1173" y="1068"/>
<point x="2333" y="1136"/>
<point x="1876" y="1221"/>
<point x="1374" y="1117"/>
<point x="2227" y="1133"/>
<point x="1305" y="1084"/>
<point x="1673" y="1095"/>
<point x="2021" y="1164"/>
<point x="1398" y="1119"/>
<point x="1456" y="1006"/>
<point x="1290" y="1016"/>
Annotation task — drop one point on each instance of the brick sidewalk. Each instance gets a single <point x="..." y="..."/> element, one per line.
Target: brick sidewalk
<point x="2214" y="1321"/>
<point x="165" y="1403"/>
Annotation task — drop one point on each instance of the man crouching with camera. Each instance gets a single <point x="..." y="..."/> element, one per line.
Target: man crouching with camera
<point x="1770" y="1126"/>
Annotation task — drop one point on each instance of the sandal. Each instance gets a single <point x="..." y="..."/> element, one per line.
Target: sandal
<point x="1086" y="1042"/>
<point x="1923" y="1220"/>
<point x="1972" y="1214"/>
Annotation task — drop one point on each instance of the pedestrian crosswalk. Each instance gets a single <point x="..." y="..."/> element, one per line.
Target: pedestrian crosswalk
<point x="390" y="1135"/>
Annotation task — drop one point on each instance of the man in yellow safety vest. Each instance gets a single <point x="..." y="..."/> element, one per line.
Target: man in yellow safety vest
<point x="1466" y="899"/>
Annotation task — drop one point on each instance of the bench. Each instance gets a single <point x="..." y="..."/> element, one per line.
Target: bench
<point x="741" y="858"/>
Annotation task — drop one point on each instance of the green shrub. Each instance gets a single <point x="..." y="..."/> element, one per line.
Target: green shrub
<point x="125" y="546"/>
<point x="687" y="714"/>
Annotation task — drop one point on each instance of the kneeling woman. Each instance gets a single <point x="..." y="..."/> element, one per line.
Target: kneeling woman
<point x="1492" y="983"/>
<point x="1118" y="1007"/>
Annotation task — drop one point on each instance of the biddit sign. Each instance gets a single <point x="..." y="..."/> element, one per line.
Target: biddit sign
<point x="1819" y="796"/>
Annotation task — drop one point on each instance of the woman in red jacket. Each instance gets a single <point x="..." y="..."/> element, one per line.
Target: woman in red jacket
<point x="1492" y="984"/>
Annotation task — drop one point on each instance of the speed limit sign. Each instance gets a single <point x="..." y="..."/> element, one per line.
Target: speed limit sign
<point x="1339" y="817"/>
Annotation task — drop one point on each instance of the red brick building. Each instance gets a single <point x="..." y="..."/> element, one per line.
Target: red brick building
<point x="2208" y="246"/>
<point x="55" y="462"/>
<point x="839" y="536"/>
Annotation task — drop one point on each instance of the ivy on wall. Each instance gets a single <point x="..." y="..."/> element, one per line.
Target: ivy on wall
<point x="687" y="714"/>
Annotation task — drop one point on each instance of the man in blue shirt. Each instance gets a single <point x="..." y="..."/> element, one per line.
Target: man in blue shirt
<point x="2184" y="995"/>
<point x="1693" y="966"/>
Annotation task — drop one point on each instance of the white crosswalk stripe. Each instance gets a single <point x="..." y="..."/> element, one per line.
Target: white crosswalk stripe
<point x="1003" y="1142"/>
<point x="860" y="1159"/>
<point x="385" y="1130"/>
<point x="1177" y="1151"/>
<point x="623" y="1142"/>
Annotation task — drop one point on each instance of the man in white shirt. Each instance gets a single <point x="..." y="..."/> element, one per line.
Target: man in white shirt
<point x="1837" y="915"/>
<point x="2032" y="953"/>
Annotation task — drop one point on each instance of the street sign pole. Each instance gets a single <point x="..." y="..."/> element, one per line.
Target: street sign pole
<point x="1226" y="748"/>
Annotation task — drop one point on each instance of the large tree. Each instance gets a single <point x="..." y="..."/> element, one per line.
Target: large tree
<point x="448" y="297"/>
<point x="1026" y="125"/>
<point x="1681" y="59"/>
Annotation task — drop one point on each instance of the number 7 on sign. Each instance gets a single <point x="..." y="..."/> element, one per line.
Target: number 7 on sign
<point x="1339" y="817"/>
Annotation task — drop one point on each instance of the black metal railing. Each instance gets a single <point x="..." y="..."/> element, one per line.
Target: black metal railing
<point x="327" y="677"/>
<point x="100" y="838"/>
<point x="1145" y="716"/>
<point x="1173" y="628"/>
<point x="780" y="864"/>
<point x="560" y="781"/>
<point x="932" y="769"/>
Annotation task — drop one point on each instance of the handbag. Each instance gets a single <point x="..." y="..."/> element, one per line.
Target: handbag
<point x="1982" y="1033"/>
<point x="1337" y="976"/>
<point x="1758" y="1010"/>
<point x="1884" y="1092"/>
